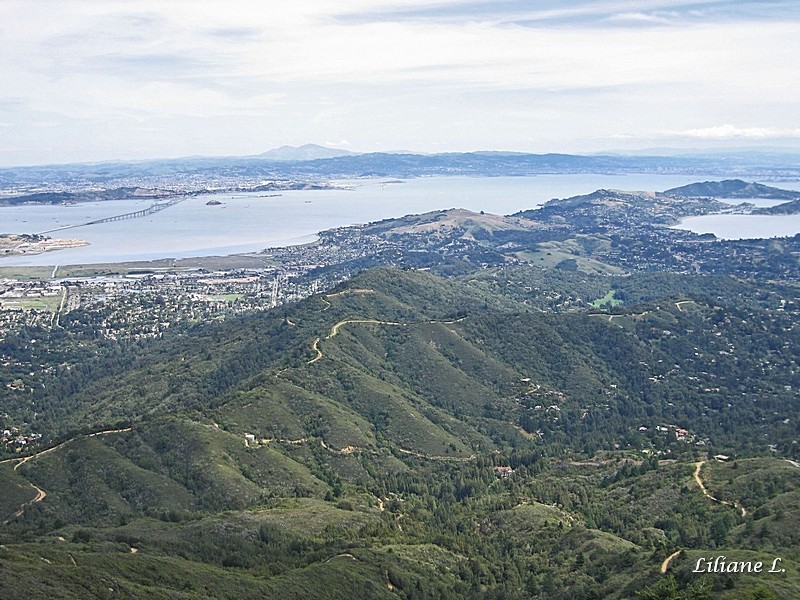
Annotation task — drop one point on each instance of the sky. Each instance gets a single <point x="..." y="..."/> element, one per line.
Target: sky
<point x="97" y="80"/>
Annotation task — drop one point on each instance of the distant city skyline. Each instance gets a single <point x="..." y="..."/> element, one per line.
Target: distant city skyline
<point x="89" y="81"/>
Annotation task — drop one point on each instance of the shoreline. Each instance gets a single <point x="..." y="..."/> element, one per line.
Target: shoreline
<point x="262" y="253"/>
<point x="244" y="260"/>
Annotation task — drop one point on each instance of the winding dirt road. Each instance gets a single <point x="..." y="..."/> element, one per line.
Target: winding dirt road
<point x="443" y="458"/>
<point x="40" y="493"/>
<point x="349" y="292"/>
<point x="665" y="564"/>
<point x="335" y="329"/>
<point x="315" y="348"/>
<point x="703" y="489"/>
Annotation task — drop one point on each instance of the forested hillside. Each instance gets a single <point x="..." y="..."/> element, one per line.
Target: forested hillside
<point x="410" y="436"/>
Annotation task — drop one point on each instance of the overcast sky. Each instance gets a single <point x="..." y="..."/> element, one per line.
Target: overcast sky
<point x="91" y="80"/>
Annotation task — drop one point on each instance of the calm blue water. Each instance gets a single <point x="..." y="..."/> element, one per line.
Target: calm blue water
<point x="737" y="227"/>
<point x="247" y="222"/>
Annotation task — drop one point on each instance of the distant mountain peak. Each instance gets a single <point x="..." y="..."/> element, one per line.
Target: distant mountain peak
<point x="304" y="152"/>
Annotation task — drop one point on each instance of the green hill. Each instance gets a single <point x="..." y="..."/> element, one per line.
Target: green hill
<point x="347" y="445"/>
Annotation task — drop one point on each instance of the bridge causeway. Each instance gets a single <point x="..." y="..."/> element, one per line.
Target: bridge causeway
<point x="152" y="209"/>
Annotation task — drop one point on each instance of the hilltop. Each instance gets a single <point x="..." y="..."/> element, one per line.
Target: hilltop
<point x="732" y="188"/>
<point x="304" y="152"/>
<point x="448" y="222"/>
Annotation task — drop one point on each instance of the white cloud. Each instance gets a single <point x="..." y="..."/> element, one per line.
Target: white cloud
<point x="298" y="72"/>
<point x="642" y="17"/>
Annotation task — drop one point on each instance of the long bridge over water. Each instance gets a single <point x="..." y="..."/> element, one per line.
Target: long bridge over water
<point x="152" y="209"/>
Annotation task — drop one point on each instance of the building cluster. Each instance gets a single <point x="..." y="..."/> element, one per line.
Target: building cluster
<point x="144" y="305"/>
<point x="13" y="439"/>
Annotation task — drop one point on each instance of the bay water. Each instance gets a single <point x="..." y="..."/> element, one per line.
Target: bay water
<point x="249" y="222"/>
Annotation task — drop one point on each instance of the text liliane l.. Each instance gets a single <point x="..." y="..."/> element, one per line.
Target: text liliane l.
<point x="720" y="564"/>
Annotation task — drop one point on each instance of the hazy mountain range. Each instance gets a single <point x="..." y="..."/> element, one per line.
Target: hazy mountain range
<point x="311" y="162"/>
